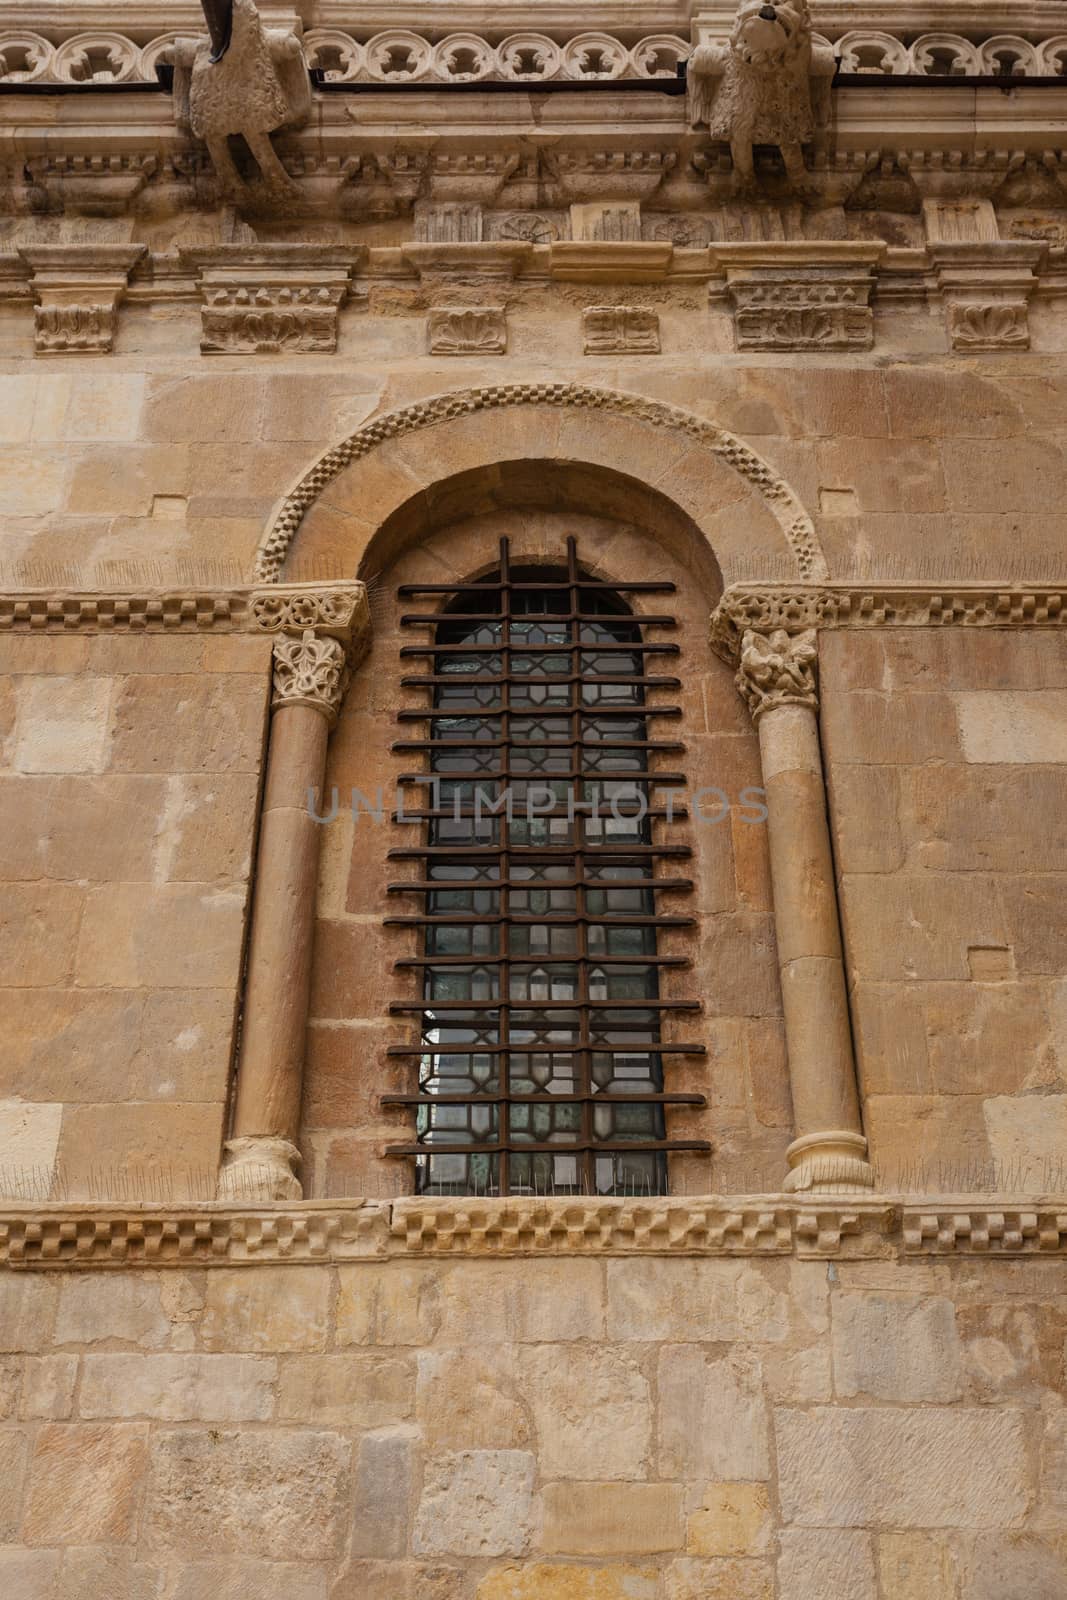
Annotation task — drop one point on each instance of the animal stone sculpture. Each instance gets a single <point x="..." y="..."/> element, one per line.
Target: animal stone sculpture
<point x="244" y="80"/>
<point x="769" y="85"/>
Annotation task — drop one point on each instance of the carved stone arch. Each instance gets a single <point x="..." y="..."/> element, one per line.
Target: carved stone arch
<point x="424" y="462"/>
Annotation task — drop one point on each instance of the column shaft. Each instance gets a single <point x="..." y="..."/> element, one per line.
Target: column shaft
<point x="778" y="678"/>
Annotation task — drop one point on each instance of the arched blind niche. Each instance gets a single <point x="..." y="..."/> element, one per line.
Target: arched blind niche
<point x="539" y="1046"/>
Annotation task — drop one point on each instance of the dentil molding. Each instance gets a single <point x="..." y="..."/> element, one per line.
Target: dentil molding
<point x="226" y="1234"/>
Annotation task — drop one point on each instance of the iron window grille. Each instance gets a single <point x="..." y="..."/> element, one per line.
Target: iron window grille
<point x="541" y="1025"/>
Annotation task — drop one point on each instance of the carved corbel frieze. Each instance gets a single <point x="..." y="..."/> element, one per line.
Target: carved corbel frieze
<point x="611" y="176"/>
<point x="799" y="295"/>
<point x="76" y="291"/>
<point x="620" y="330"/>
<point x="986" y="287"/>
<point x="267" y="298"/>
<point x="95" y="185"/>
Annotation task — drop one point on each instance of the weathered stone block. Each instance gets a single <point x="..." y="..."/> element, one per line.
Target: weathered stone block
<point x="38" y="934"/>
<point x="63" y="724"/>
<point x="85" y="1484"/>
<point x="166" y="936"/>
<point x="488" y="1302"/>
<point x="734" y="1520"/>
<point x="178" y="1388"/>
<point x="14" y="1447"/>
<point x="816" y="1563"/>
<point x="473" y="1399"/>
<point x="476" y="1503"/>
<point x="360" y="1390"/>
<point x="895" y="1347"/>
<point x="719" y="1580"/>
<point x="48" y="1388"/>
<point x="691" y="1301"/>
<point x="29" y="1574"/>
<point x="195" y="723"/>
<point x="597" y="1519"/>
<point x="29" y="1141"/>
<point x="282" y="1493"/>
<point x="859" y="1468"/>
<point x="912" y="1566"/>
<point x="98" y="1307"/>
<point x="391" y="1304"/>
<point x="541" y="1580"/>
<point x="712" y="1416"/>
<point x="283" y="1308"/>
<point x="239" y="1577"/>
<point x="592" y="1409"/>
<point x="381" y="1505"/>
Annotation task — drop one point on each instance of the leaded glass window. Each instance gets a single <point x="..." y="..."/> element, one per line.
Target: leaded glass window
<point x="540" y="1043"/>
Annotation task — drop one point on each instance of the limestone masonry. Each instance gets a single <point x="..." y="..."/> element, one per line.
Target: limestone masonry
<point x="533" y="800"/>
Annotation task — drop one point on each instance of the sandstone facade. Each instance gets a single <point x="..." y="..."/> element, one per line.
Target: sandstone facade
<point x="487" y="284"/>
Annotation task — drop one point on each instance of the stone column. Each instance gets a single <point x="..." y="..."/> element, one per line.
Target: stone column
<point x="310" y="674"/>
<point x="778" y="679"/>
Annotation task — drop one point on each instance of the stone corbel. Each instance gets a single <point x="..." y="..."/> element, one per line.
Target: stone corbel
<point x="986" y="287"/>
<point x="261" y="299"/>
<point x="778" y="678"/>
<point x="76" y="291"/>
<point x="800" y="295"/>
<point x="321" y="629"/>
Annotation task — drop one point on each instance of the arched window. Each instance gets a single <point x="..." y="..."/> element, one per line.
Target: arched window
<point x="546" y="814"/>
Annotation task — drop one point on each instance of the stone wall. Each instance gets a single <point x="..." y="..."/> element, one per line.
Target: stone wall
<point x="946" y="758"/>
<point x="621" y="1429"/>
<point x="129" y="787"/>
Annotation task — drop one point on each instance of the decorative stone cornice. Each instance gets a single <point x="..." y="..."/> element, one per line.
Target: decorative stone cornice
<point x="265" y="298"/>
<point x="76" y="290"/>
<point x="310" y="671"/>
<point x="610" y="261"/>
<point x="232" y="1233"/>
<point x="779" y="669"/>
<point x="767" y="608"/>
<point x="129" y="611"/>
<point x="334" y="610"/>
<point x="800" y="295"/>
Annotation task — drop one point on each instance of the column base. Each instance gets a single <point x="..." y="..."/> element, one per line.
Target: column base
<point x="259" y="1170"/>
<point x="828" y="1161"/>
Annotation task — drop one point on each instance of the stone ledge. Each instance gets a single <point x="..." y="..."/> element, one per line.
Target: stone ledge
<point x="765" y="608"/>
<point x="339" y="610"/>
<point x="218" y="1234"/>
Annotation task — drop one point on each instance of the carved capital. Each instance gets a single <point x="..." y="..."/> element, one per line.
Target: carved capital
<point x="260" y="1170"/>
<point x="779" y="669"/>
<point x="310" y="672"/>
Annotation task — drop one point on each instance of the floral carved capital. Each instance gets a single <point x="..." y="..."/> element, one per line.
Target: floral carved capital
<point x="779" y="669"/>
<point x="310" y="671"/>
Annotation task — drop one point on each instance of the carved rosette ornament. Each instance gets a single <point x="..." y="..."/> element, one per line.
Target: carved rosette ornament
<point x="779" y="669"/>
<point x="310" y="671"/>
